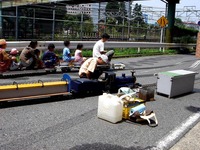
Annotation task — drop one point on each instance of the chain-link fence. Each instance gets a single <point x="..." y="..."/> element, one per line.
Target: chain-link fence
<point x="55" y="22"/>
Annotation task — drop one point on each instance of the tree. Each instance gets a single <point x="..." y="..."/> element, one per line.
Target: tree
<point x="112" y="7"/>
<point x="179" y="23"/>
<point x="25" y="24"/>
<point x="122" y="9"/>
<point x="137" y="15"/>
<point x="73" y="22"/>
<point x="118" y="11"/>
<point x="116" y="15"/>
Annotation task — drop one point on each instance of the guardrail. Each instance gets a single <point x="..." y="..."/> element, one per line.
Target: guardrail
<point x="42" y="45"/>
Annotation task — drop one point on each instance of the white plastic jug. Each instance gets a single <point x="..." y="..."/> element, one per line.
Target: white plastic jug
<point x="110" y="108"/>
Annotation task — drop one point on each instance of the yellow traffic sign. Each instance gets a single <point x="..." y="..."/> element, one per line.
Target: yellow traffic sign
<point x="162" y="21"/>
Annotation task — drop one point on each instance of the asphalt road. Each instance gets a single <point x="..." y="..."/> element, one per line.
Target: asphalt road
<point x="62" y="124"/>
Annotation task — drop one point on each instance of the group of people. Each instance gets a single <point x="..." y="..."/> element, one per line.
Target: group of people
<point x="29" y="58"/>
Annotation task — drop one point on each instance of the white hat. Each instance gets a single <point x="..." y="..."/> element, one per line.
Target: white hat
<point x="14" y="51"/>
<point x="104" y="58"/>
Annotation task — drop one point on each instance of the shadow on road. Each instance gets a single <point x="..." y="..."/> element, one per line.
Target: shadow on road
<point x="196" y="90"/>
<point x="52" y="99"/>
<point x="193" y="109"/>
<point x="34" y="101"/>
<point x="101" y="146"/>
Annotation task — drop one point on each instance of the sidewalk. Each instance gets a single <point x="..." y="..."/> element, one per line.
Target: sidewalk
<point x="190" y="141"/>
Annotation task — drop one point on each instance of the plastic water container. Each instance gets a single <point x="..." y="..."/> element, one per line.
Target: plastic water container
<point x="110" y="108"/>
<point x="140" y="108"/>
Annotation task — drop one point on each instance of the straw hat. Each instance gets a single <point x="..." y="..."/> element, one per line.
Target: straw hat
<point x="2" y="41"/>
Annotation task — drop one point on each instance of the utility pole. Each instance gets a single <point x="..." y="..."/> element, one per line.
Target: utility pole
<point x="171" y="19"/>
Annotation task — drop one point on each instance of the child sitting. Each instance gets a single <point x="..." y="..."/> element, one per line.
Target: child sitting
<point x="78" y="54"/>
<point x="66" y="53"/>
<point x="14" y="64"/>
<point x="49" y="58"/>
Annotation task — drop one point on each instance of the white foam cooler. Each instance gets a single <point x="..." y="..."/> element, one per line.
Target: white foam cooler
<point x="175" y="82"/>
<point x="110" y="108"/>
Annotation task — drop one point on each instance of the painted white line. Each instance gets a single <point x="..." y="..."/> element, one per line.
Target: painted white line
<point x="195" y="64"/>
<point x="174" y="134"/>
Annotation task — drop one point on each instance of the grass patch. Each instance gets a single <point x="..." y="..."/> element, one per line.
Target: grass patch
<point x="133" y="52"/>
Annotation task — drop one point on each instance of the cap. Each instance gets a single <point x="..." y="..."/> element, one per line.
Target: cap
<point x="2" y="41"/>
<point x="14" y="51"/>
<point x="104" y="58"/>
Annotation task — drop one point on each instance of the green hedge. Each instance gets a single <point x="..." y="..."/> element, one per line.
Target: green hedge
<point x="184" y="35"/>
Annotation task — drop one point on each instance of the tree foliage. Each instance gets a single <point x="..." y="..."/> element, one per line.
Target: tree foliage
<point x="112" y="7"/>
<point x="179" y="23"/>
<point x="137" y="15"/>
<point x="116" y="15"/>
<point x="73" y="22"/>
<point x="118" y="8"/>
<point x="182" y="33"/>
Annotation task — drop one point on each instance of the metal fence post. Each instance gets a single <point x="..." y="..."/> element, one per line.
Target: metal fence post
<point x="53" y="24"/>
<point x="33" y="24"/>
<point x="138" y="49"/>
<point x="81" y="25"/>
<point x="16" y="23"/>
<point x="99" y="13"/>
<point x="161" y="37"/>
<point x="123" y="30"/>
<point x="129" y="16"/>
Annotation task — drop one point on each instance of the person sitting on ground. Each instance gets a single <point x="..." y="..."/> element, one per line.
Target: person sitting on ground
<point x="98" y="48"/>
<point x="13" y="56"/>
<point x="38" y="63"/>
<point x="28" y="57"/>
<point x="4" y="57"/>
<point x="49" y="58"/>
<point x="78" y="54"/>
<point x="88" y="68"/>
<point x="66" y="53"/>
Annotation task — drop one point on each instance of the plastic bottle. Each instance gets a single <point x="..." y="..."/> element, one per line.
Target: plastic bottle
<point x="110" y="108"/>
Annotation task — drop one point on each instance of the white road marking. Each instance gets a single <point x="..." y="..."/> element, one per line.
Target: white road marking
<point x="174" y="134"/>
<point x="195" y="64"/>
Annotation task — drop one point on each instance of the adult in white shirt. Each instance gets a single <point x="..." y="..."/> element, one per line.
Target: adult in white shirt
<point x="98" y="48"/>
<point x="88" y="68"/>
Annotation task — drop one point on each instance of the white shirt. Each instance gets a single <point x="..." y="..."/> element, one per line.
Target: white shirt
<point x="98" y="48"/>
<point x="89" y="65"/>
